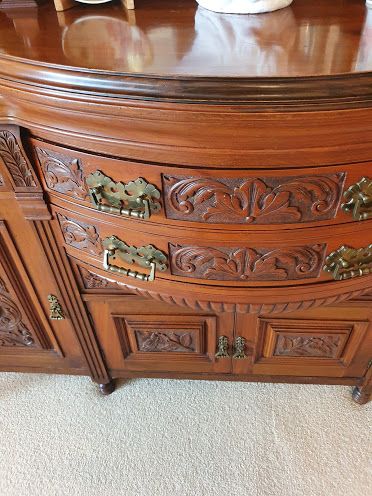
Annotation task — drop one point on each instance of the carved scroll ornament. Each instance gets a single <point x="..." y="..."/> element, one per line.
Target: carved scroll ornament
<point x="80" y="235"/>
<point x="270" y="200"/>
<point x="62" y="174"/>
<point x="247" y="264"/>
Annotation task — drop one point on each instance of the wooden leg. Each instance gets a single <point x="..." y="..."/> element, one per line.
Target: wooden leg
<point x="362" y="394"/>
<point x="108" y="388"/>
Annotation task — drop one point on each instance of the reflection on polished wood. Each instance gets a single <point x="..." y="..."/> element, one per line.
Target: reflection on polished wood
<point x="174" y="37"/>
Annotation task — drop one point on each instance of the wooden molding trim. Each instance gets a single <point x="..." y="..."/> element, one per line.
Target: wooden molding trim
<point x="338" y="91"/>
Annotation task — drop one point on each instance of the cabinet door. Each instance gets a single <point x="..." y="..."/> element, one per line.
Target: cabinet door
<point x="138" y="334"/>
<point x="24" y="338"/>
<point x="328" y="342"/>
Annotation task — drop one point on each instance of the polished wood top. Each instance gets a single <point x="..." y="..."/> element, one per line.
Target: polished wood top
<point x="177" y="39"/>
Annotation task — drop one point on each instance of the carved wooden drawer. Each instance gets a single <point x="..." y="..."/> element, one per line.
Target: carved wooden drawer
<point x="281" y="258"/>
<point x="227" y="199"/>
<point x="141" y="335"/>
<point x="315" y="345"/>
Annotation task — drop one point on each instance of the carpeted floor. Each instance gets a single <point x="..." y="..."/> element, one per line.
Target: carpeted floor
<point x="59" y="437"/>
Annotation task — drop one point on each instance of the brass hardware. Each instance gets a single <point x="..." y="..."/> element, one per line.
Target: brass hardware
<point x="145" y="256"/>
<point x="347" y="262"/>
<point x="222" y="347"/>
<point x="359" y="199"/>
<point x="135" y="199"/>
<point x="56" y="312"/>
<point x="239" y="347"/>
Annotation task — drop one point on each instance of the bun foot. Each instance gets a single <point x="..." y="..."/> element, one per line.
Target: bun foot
<point x="361" y="395"/>
<point x="108" y="388"/>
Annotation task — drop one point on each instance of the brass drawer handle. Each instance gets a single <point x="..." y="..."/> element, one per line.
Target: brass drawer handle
<point x="239" y="348"/>
<point x="137" y="198"/>
<point x="358" y="199"/>
<point x="222" y="347"/>
<point x="145" y="256"/>
<point x="347" y="262"/>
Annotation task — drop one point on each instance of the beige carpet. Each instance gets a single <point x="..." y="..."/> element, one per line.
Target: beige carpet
<point x="181" y="438"/>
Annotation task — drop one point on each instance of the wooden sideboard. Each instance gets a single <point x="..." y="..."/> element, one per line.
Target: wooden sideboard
<point x="175" y="202"/>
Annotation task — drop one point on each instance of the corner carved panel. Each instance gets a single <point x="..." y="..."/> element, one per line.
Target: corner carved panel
<point x="327" y="346"/>
<point x="15" y="161"/>
<point x="13" y="332"/>
<point x="80" y="235"/>
<point x="62" y="173"/>
<point x="247" y="264"/>
<point x="269" y="200"/>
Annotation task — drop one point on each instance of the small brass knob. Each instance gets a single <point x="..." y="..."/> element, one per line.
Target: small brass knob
<point x="222" y="347"/>
<point x="55" y="309"/>
<point x="239" y="348"/>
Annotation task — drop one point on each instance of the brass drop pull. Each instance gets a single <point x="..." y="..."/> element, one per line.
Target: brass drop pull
<point x="144" y="256"/>
<point x="137" y="198"/>
<point x="239" y="348"/>
<point x="358" y="199"/>
<point x="347" y="262"/>
<point x="55" y="309"/>
<point x="222" y="347"/>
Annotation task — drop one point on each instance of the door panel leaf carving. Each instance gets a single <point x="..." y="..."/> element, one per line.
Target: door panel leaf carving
<point x="259" y="264"/>
<point x="316" y="346"/>
<point x="13" y="332"/>
<point x="158" y="341"/>
<point x="271" y="200"/>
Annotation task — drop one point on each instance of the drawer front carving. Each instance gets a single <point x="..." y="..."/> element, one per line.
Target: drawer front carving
<point x="271" y="200"/>
<point x="258" y="264"/>
<point x="80" y="235"/>
<point x="94" y="281"/>
<point x="62" y="173"/>
<point x="223" y="199"/>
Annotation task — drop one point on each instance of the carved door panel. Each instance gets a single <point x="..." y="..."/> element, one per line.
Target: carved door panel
<point x="310" y="343"/>
<point x="138" y="334"/>
<point x="23" y="336"/>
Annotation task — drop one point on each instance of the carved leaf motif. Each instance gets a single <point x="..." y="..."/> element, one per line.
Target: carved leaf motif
<point x="80" y="235"/>
<point x="14" y="160"/>
<point x="297" y="262"/>
<point x="317" y="346"/>
<point x="13" y="331"/>
<point x="62" y="174"/>
<point x="164" y="342"/>
<point x="269" y="201"/>
<point x="94" y="281"/>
